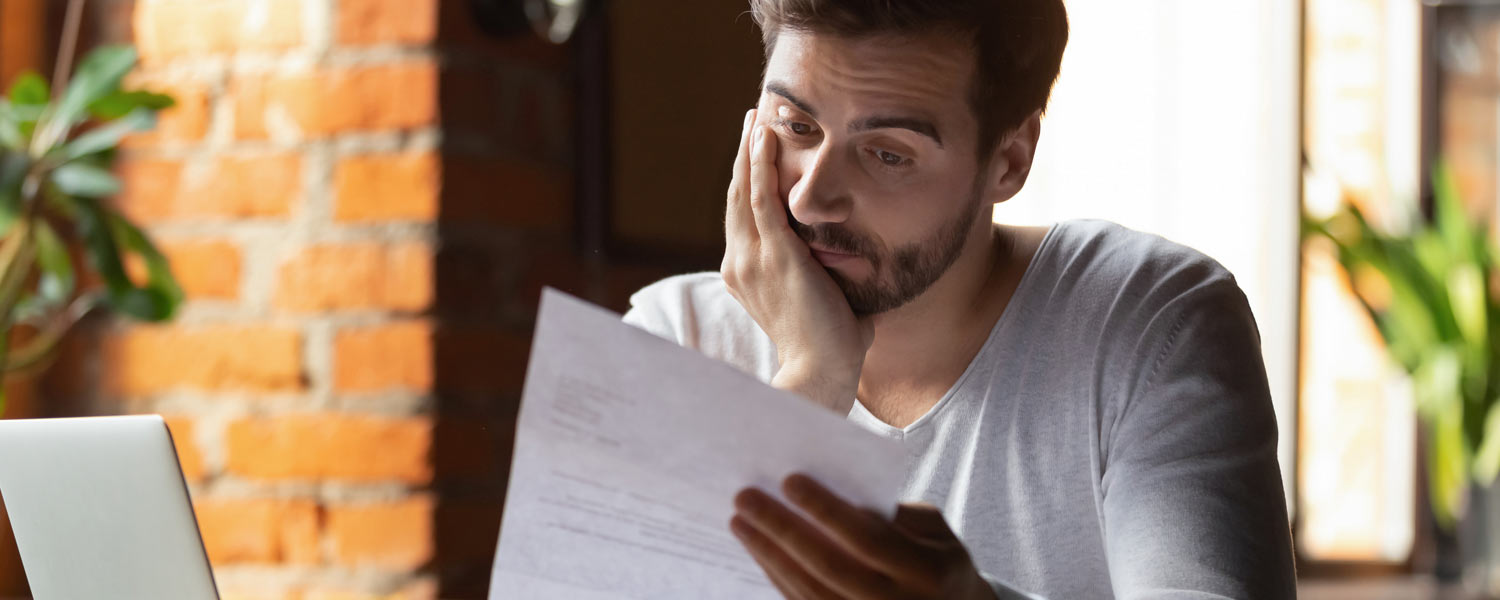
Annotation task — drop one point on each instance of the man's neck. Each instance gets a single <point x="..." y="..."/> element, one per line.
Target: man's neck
<point x="921" y="348"/>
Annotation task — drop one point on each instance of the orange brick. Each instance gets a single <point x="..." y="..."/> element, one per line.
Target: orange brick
<point x="396" y="535"/>
<point x="166" y="29"/>
<point x="155" y="358"/>
<point x="258" y="590"/>
<point x="354" y="276"/>
<point x="388" y="187"/>
<point x="186" y="121"/>
<point x="420" y="590"/>
<point x="239" y="530"/>
<point x="158" y="190"/>
<point x="331" y="446"/>
<point x="390" y="356"/>
<point x="188" y="456"/>
<point x="387" y="21"/>
<point x="392" y="96"/>
<point x="150" y="187"/>
<point x="204" y="269"/>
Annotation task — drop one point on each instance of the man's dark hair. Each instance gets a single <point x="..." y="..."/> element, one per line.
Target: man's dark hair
<point x="1018" y="44"/>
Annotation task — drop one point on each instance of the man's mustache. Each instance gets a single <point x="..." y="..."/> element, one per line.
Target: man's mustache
<point x="836" y="238"/>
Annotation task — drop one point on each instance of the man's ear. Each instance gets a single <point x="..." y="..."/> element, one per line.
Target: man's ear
<point x="1010" y="163"/>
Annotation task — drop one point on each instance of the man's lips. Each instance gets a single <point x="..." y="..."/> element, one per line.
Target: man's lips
<point x="829" y="258"/>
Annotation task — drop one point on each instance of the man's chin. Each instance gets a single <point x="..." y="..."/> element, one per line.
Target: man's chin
<point x="864" y="297"/>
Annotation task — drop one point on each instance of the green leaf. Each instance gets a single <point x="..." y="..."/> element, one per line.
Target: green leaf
<point x="87" y="181"/>
<point x="1448" y="466"/>
<point x="1467" y="295"/>
<point x="4" y="351"/>
<point x="104" y="235"/>
<point x="98" y="75"/>
<point x="10" y="129"/>
<point x="1487" y="458"/>
<point x="121" y="103"/>
<point x="57" y="279"/>
<point x="1435" y="382"/>
<point x="1448" y="213"/>
<point x="30" y="88"/>
<point x="108" y="136"/>
<point x="159" y="298"/>
<point x="27" y="114"/>
<point x="13" y="166"/>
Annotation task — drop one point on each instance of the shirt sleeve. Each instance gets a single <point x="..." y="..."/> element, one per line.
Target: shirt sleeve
<point x="1192" y="493"/>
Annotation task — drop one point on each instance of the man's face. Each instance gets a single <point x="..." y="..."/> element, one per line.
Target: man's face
<point x="877" y="161"/>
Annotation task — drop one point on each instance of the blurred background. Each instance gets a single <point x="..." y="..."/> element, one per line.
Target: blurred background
<point x="362" y="199"/>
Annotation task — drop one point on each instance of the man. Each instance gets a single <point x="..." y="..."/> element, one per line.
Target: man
<point x="1085" y="406"/>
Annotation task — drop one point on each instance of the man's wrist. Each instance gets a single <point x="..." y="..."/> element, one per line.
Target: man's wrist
<point x="831" y="388"/>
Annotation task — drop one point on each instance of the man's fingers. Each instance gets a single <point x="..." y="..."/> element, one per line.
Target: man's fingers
<point x="783" y="571"/>
<point x="765" y="195"/>
<point x="739" y="221"/>
<point x="814" y="552"/>
<point x="924" y="521"/>
<point x="861" y="532"/>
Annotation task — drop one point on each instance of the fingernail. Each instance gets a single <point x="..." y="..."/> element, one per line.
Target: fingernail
<point x="760" y="132"/>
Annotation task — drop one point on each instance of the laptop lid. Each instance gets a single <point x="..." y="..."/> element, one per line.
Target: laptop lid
<point x="100" y="509"/>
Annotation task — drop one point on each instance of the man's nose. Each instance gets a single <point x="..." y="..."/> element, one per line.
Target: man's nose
<point x="821" y="195"/>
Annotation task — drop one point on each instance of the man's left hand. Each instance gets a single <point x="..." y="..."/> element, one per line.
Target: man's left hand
<point x="849" y="552"/>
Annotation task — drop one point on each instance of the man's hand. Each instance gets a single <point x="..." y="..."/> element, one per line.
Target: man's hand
<point x="846" y="552"/>
<point x="820" y="344"/>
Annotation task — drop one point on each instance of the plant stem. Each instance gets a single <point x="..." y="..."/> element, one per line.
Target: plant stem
<point x="66" y="48"/>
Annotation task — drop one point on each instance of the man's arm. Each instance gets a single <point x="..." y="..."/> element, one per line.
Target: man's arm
<point x="1193" y="501"/>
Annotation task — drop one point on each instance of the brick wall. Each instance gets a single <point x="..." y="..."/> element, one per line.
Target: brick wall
<point x="361" y="199"/>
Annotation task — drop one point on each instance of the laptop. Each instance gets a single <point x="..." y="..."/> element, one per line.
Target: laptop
<point x="100" y="509"/>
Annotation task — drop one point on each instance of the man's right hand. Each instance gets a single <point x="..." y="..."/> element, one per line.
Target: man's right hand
<point x="820" y="343"/>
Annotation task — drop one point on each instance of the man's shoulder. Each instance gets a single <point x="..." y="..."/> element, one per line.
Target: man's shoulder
<point x="677" y="289"/>
<point x="681" y="301"/>
<point x="1113" y="261"/>
<point x="697" y="311"/>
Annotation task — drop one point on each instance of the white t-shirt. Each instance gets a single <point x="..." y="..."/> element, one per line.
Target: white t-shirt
<point x="1113" y="437"/>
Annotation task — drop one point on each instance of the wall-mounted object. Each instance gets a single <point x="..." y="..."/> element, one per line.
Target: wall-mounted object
<point x="553" y="20"/>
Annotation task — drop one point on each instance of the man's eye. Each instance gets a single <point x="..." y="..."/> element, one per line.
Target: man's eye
<point x="799" y="128"/>
<point x="892" y="160"/>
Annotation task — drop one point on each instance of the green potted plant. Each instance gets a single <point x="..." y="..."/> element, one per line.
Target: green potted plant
<point x="56" y="149"/>
<point x="1432" y="293"/>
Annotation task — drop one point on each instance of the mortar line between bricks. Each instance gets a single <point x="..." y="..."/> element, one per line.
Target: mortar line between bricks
<point x="240" y="405"/>
<point x="300" y="60"/>
<point x="416" y="139"/>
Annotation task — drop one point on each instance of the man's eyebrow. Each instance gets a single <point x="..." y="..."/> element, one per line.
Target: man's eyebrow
<point x="780" y="90"/>
<point x="920" y="126"/>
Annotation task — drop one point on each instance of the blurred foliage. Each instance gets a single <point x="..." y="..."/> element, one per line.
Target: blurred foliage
<point x="1432" y="294"/>
<point x="56" y="150"/>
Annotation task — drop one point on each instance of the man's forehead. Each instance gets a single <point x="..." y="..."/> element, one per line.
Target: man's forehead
<point x="919" y="72"/>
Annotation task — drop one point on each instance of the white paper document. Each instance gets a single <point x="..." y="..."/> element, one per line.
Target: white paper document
<point x="629" y="451"/>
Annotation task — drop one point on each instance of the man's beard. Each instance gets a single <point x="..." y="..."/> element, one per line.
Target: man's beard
<point x="912" y="268"/>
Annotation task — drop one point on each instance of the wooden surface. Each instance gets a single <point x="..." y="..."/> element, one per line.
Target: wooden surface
<point x="1378" y="588"/>
<point x="21" y="34"/>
